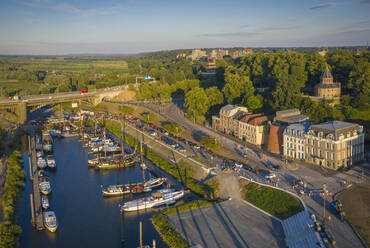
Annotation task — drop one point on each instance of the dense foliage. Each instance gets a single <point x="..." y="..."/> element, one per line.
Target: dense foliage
<point x="14" y="183"/>
<point x="273" y="201"/>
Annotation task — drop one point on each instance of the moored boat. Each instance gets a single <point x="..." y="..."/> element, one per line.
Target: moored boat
<point x="41" y="163"/>
<point x="50" y="221"/>
<point x="45" y="202"/>
<point x="69" y="134"/>
<point x="51" y="162"/>
<point x="116" y="162"/>
<point x="47" y="142"/>
<point x="159" y="198"/>
<point x="45" y="186"/>
<point x="41" y="173"/>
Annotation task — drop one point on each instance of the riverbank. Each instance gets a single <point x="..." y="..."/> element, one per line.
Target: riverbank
<point x="177" y="171"/>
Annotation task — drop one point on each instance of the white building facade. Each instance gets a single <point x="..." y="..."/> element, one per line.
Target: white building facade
<point x="294" y="141"/>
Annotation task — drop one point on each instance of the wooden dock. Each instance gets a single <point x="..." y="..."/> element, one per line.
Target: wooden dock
<point x="37" y="208"/>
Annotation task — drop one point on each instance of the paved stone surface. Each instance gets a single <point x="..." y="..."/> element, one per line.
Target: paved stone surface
<point x="229" y="224"/>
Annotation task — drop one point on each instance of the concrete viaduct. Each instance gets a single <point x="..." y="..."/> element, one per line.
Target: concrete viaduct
<point x="19" y="107"/>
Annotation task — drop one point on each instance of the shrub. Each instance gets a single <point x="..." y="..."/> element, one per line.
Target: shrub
<point x="211" y="143"/>
<point x="173" y="128"/>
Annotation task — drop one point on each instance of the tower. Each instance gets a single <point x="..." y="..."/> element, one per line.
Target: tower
<point x="326" y="77"/>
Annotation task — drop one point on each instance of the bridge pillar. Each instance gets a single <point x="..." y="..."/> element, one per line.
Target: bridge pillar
<point x="21" y="112"/>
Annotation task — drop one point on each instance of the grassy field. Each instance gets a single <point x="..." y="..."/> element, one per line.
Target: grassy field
<point x="273" y="201"/>
<point x="12" y="86"/>
<point x="71" y="64"/>
<point x="356" y="202"/>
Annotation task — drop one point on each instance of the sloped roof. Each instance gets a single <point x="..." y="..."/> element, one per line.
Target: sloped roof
<point x="326" y="73"/>
<point x="334" y="125"/>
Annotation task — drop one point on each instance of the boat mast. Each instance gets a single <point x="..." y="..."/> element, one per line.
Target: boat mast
<point x="60" y="117"/>
<point x="142" y="160"/>
<point x="81" y="128"/>
<point x="105" y="147"/>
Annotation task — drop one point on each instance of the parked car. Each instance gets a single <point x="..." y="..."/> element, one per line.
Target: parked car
<point x="238" y="165"/>
<point x="152" y="132"/>
<point x="270" y="175"/>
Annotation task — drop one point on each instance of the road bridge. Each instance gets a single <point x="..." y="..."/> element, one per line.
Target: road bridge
<point x="19" y="106"/>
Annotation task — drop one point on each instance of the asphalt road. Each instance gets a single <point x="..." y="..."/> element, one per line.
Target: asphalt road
<point x="231" y="223"/>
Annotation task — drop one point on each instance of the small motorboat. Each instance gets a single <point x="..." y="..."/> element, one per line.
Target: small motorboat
<point x="41" y="173"/>
<point x="39" y="154"/>
<point x="45" y="202"/>
<point x="51" y="162"/>
<point x="50" y="221"/>
<point x="45" y="186"/>
<point x="41" y="163"/>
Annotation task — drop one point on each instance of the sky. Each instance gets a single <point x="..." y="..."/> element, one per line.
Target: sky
<point x="58" y="27"/>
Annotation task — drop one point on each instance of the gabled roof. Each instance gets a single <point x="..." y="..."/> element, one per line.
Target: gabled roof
<point x="326" y="73"/>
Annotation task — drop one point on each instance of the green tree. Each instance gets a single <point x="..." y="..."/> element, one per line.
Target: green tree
<point x="254" y="103"/>
<point x="196" y="102"/>
<point x="173" y="128"/>
<point x="238" y="87"/>
<point x="215" y="96"/>
<point x="359" y="83"/>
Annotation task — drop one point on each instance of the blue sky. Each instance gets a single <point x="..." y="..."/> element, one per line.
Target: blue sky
<point x="130" y="26"/>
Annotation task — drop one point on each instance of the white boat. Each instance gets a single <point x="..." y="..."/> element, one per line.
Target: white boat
<point x="41" y="163"/>
<point x="153" y="183"/>
<point x="39" y="154"/>
<point x="41" y="173"/>
<point x="93" y="161"/>
<point x="159" y="198"/>
<point x="45" y="202"/>
<point x="51" y="162"/>
<point x="45" y="186"/>
<point x="50" y="221"/>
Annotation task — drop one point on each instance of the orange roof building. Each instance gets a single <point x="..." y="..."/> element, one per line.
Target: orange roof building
<point x="254" y="128"/>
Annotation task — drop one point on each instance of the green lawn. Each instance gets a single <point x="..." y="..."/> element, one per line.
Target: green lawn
<point x="273" y="201"/>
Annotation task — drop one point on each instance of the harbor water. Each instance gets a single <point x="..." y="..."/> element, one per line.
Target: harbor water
<point x="86" y="219"/>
